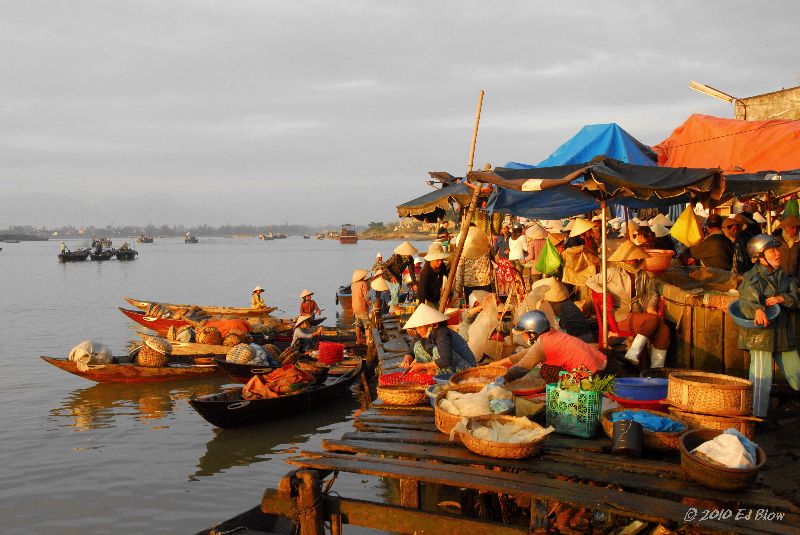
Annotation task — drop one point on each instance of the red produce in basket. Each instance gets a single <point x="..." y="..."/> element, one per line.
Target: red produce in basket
<point x="399" y="378"/>
<point x="330" y="352"/>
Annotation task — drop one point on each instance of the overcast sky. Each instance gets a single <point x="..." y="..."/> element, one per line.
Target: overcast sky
<point x="331" y="112"/>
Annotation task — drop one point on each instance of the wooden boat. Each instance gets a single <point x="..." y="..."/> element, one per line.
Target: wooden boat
<point x="144" y="239"/>
<point x="254" y="521"/>
<point x="228" y="409"/>
<point x="190" y="239"/>
<point x="78" y="255"/>
<point x="127" y="372"/>
<point x="159" y="325"/>
<point x="344" y="297"/>
<point x="108" y="254"/>
<point x="210" y="310"/>
<point x="306" y="236"/>
<point x="348" y="234"/>
<point x="126" y="254"/>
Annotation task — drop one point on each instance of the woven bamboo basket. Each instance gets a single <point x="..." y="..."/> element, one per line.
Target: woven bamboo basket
<point x="446" y="421"/>
<point x="209" y="335"/>
<point x="746" y="425"/>
<point x="710" y="393"/>
<point x="272" y="350"/>
<point x="402" y="394"/>
<point x="480" y="372"/>
<point x="240" y="354"/>
<point x="656" y="441"/>
<point x="233" y="338"/>
<point x="502" y="450"/>
<point x="150" y="358"/>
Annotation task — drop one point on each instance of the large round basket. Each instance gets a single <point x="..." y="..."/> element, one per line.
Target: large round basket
<point x="480" y="375"/>
<point x="240" y="354"/>
<point x="402" y="394"/>
<point x="446" y="421"/>
<point x="159" y="345"/>
<point x="234" y="338"/>
<point x="502" y="450"/>
<point x="710" y="393"/>
<point x="746" y="425"/>
<point x="710" y="475"/>
<point x="272" y="350"/>
<point x="652" y="440"/>
<point x="209" y="335"/>
<point x="150" y="358"/>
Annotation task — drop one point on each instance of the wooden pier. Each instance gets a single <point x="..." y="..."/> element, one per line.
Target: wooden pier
<point x="574" y="485"/>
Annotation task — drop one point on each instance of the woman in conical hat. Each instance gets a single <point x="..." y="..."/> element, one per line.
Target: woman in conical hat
<point x="431" y="277"/>
<point x="304" y="334"/>
<point x="400" y="261"/>
<point x="437" y="348"/>
<point x="537" y="236"/>
<point x="635" y="300"/>
<point x="553" y="298"/>
<point x="307" y="305"/>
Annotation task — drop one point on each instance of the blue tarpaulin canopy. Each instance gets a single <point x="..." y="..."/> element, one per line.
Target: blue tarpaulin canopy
<point x="596" y="140"/>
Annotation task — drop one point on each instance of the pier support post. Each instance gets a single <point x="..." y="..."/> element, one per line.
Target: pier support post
<point x="308" y="503"/>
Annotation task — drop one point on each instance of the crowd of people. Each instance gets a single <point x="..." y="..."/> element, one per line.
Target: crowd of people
<point x="547" y="312"/>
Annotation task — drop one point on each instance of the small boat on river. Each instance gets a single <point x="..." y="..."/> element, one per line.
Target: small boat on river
<point x="229" y="409"/>
<point x="108" y="254"/>
<point x="125" y="371"/>
<point x="79" y="255"/>
<point x="348" y="234"/>
<point x="143" y="238"/>
<point x="159" y="325"/>
<point x="189" y="238"/>
<point x="344" y="297"/>
<point x="210" y="310"/>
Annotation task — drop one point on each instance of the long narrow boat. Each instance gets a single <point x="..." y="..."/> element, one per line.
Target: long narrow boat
<point x="73" y="256"/>
<point x="131" y="373"/>
<point x="210" y="310"/>
<point x="240" y="372"/>
<point x="229" y="409"/>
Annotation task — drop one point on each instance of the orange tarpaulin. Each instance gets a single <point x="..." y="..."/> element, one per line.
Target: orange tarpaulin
<point x="732" y="145"/>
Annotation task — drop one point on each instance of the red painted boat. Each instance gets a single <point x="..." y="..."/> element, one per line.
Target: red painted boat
<point x="131" y="373"/>
<point x="159" y="325"/>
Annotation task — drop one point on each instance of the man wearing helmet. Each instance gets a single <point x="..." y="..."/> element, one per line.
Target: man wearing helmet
<point x="764" y="286"/>
<point x="554" y="350"/>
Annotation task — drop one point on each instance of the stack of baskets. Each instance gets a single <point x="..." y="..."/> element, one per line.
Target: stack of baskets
<point x="209" y="335"/>
<point x="712" y="401"/>
<point x="154" y="353"/>
<point x="330" y="352"/>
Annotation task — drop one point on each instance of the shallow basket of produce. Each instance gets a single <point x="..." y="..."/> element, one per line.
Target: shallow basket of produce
<point x="712" y="474"/>
<point x="663" y="440"/>
<point x="400" y="378"/>
<point x="480" y="375"/>
<point x="446" y="421"/>
<point x="503" y="437"/>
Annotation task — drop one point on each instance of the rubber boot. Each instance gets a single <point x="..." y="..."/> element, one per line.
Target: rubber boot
<point x="658" y="357"/>
<point x="638" y="345"/>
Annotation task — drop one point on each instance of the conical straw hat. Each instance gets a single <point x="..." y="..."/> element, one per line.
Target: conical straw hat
<point x="435" y="252"/>
<point x="476" y="245"/>
<point x="301" y="319"/>
<point x="661" y="219"/>
<point x="358" y="274"/>
<point x="305" y="293"/>
<point x="406" y="249"/>
<point x="628" y="251"/>
<point x="579" y="227"/>
<point x="659" y="230"/>
<point x="557" y="237"/>
<point x="379" y="284"/>
<point x="548" y="289"/>
<point x="536" y="232"/>
<point x="424" y="315"/>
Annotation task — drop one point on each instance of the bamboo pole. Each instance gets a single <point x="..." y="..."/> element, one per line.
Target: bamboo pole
<point x="470" y="210"/>
<point x="604" y="271"/>
<point x="769" y="213"/>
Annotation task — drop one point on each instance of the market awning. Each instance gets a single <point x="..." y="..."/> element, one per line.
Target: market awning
<point x="636" y="186"/>
<point x="433" y="206"/>
<point x="777" y="184"/>
<point x="732" y="145"/>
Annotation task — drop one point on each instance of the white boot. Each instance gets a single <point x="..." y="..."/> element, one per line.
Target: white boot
<point x="657" y="357"/>
<point x="638" y="345"/>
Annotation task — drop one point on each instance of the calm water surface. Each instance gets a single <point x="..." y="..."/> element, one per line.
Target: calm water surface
<point x="81" y="457"/>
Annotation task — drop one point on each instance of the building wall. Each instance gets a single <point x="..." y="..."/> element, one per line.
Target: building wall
<point x="783" y="104"/>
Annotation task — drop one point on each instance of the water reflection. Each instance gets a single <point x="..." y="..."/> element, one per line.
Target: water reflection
<point x="97" y="406"/>
<point x="252" y="444"/>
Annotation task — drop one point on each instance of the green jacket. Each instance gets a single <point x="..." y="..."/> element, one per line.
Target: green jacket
<point x="758" y="284"/>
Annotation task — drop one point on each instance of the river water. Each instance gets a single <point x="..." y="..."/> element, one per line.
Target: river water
<point x="80" y="457"/>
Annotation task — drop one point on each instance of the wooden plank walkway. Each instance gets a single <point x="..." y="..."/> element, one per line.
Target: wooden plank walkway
<point x="403" y="444"/>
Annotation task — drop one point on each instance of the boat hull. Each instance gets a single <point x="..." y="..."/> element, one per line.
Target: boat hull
<point x="73" y="256"/>
<point x="127" y="255"/>
<point x="210" y="310"/>
<point x="159" y="325"/>
<point x="229" y="409"/>
<point x="130" y="373"/>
